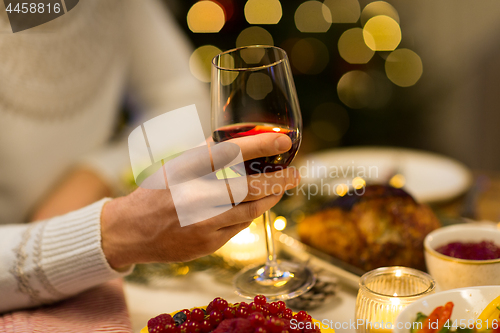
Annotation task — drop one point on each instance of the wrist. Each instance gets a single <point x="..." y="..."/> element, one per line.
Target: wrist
<point x="113" y="241"/>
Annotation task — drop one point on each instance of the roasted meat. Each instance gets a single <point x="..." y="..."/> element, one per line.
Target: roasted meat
<point x="384" y="226"/>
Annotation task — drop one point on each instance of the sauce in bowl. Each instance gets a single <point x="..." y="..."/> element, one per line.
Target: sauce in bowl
<point x="484" y="250"/>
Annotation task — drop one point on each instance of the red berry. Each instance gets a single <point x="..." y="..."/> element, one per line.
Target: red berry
<point x="260" y="330"/>
<point x="243" y="305"/>
<point x="257" y="319"/>
<point x="281" y="306"/>
<point x="309" y="318"/>
<point x="301" y="316"/>
<point x="252" y="307"/>
<point x="260" y="299"/>
<point x="171" y="328"/>
<point x="287" y="314"/>
<point x="197" y="315"/>
<point x="187" y="313"/>
<point x="221" y="304"/>
<point x="194" y="327"/>
<point x="275" y="324"/>
<point x="229" y="312"/>
<point x="206" y="326"/>
<point x="265" y="311"/>
<point x="184" y="327"/>
<point x="210" y="307"/>
<point x="215" y="317"/>
<point x="152" y="323"/>
<point x="242" y="312"/>
<point x="274" y="308"/>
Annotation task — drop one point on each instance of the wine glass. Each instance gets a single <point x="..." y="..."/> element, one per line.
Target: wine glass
<point x="253" y="92"/>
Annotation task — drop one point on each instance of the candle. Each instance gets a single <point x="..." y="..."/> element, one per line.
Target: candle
<point x="385" y="292"/>
<point x="247" y="247"/>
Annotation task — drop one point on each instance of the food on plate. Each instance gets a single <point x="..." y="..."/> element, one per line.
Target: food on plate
<point x="485" y="250"/>
<point x="439" y="321"/>
<point x="383" y="226"/>
<point x="222" y="317"/>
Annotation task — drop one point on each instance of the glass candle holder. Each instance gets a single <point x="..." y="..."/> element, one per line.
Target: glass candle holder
<point x="385" y="292"/>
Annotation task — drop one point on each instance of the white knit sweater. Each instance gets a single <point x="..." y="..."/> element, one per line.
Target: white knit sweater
<point x="60" y="89"/>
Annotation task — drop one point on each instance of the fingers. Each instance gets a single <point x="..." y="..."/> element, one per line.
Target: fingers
<point x="265" y="184"/>
<point x="246" y="211"/>
<point x="266" y="144"/>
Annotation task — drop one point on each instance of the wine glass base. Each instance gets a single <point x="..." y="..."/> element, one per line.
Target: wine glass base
<point x="293" y="280"/>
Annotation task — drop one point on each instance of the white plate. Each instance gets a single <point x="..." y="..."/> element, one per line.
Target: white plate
<point x="429" y="177"/>
<point x="468" y="304"/>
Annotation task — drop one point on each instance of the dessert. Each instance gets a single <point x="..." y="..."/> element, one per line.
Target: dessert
<point x="222" y="317"/>
<point x="383" y="226"/>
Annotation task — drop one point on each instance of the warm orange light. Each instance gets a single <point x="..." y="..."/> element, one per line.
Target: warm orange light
<point x="263" y="11"/>
<point x="352" y="47"/>
<point x="382" y="33"/>
<point x="200" y="62"/>
<point x="205" y="16"/>
<point x="403" y="67"/>
<point x="313" y="16"/>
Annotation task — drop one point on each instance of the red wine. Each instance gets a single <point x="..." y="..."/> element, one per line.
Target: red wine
<point x="261" y="164"/>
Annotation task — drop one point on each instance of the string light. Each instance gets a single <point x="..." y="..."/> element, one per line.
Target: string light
<point x="382" y="33"/>
<point x="205" y="17"/>
<point x="356" y="89"/>
<point x="403" y="67"/>
<point x="344" y="11"/>
<point x="378" y="8"/>
<point x="201" y="60"/>
<point x="313" y="16"/>
<point x="254" y="36"/>
<point x="280" y="223"/>
<point x="352" y="47"/>
<point x="263" y="11"/>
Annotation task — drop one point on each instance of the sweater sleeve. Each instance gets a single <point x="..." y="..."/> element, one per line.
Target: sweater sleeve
<point x="159" y="81"/>
<point x="43" y="262"/>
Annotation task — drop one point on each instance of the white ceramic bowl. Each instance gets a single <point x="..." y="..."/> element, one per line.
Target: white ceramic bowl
<point x="451" y="273"/>
<point x="469" y="303"/>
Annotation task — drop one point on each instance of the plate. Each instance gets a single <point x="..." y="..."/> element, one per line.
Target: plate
<point x="429" y="177"/>
<point x="469" y="303"/>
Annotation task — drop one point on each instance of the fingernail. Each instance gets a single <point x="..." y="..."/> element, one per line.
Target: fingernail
<point x="283" y="143"/>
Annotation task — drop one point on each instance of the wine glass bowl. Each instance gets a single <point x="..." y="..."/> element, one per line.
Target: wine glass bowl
<point x="253" y="93"/>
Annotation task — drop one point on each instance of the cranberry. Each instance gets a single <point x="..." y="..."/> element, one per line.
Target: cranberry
<point x="260" y="299"/>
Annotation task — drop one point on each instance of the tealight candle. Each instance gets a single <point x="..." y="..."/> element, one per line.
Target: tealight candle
<point x="247" y="247"/>
<point x="385" y="292"/>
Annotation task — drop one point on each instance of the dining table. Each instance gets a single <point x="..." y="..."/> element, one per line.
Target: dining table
<point x="199" y="288"/>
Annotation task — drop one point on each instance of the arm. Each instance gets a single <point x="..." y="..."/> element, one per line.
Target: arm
<point x="50" y="260"/>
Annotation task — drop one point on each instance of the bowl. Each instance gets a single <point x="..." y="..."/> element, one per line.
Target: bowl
<point x="469" y="303"/>
<point x="450" y="272"/>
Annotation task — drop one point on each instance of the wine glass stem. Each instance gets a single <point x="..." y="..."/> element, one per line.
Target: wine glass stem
<point x="271" y="269"/>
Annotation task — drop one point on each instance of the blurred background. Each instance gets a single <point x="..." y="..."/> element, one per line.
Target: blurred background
<point x="421" y="74"/>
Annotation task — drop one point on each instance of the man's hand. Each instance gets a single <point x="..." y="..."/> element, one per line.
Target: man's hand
<point x="144" y="227"/>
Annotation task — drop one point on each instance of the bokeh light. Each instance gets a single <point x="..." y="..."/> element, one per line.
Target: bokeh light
<point x="403" y="67"/>
<point x="263" y="11"/>
<point x="382" y="33"/>
<point x="341" y="189"/>
<point x="201" y="60"/>
<point x="259" y="85"/>
<point x="309" y="56"/>
<point x="254" y="36"/>
<point x="379" y="8"/>
<point x="280" y="223"/>
<point x="358" y="183"/>
<point x="344" y="11"/>
<point x="397" y="181"/>
<point x="329" y="121"/>
<point x="356" y="89"/>
<point x="205" y="17"/>
<point x="352" y="47"/>
<point x="313" y="16"/>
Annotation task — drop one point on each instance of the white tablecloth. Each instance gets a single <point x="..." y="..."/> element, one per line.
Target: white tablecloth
<point x="199" y="289"/>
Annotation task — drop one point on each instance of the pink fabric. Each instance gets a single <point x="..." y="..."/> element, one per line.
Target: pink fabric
<point x="101" y="309"/>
